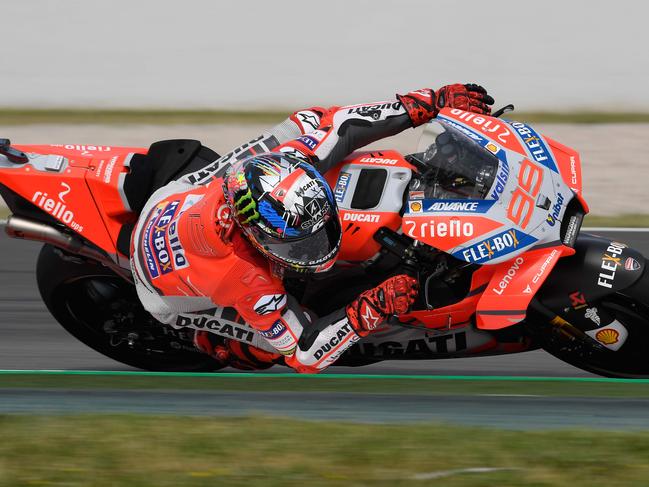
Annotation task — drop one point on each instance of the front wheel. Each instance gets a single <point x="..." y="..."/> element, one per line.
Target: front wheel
<point x="103" y="311"/>
<point x="631" y="309"/>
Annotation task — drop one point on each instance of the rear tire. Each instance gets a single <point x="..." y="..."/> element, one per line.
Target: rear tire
<point x="102" y="310"/>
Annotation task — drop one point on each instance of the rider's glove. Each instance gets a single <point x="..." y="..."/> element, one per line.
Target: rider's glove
<point x="424" y="105"/>
<point x="470" y="98"/>
<point x="392" y="297"/>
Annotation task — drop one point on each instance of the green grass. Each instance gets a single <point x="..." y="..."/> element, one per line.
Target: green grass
<point x="428" y="385"/>
<point x="26" y="116"/>
<point x="130" y="450"/>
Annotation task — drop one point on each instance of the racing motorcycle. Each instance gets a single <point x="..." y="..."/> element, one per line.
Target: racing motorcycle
<point x="487" y="214"/>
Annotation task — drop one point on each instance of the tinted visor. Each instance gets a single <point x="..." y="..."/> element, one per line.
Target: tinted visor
<point x="312" y="250"/>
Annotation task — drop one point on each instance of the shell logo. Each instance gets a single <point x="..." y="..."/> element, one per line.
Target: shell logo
<point x="415" y="206"/>
<point x="607" y="336"/>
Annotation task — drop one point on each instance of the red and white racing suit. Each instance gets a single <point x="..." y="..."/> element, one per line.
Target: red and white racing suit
<point x="194" y="269"/>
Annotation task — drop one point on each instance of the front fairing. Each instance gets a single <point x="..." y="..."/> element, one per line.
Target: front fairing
<point x="522" y="207"/>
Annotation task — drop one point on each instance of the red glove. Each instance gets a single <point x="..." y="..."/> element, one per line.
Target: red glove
<point x="424" y="105"/>
<point x="233" y="353"/>
<point x="392" y="297"/>
<point x="470" y="98"/>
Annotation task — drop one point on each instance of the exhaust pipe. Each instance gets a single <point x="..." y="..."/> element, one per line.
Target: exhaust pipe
<point x="17" y="227"/>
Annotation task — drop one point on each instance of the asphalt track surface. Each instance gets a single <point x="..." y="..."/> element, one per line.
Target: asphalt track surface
<point x="31" y="339"/>
<point x="529" y="412"/>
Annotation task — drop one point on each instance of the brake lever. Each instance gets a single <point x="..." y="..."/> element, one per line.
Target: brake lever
<point x="501" y="111"/>
<point x="15" y="156"/>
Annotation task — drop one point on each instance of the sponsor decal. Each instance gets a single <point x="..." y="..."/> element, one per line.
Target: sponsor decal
<point x="630" y="264"/>
<point x="361" y="217"/>
<point x="488" y="125"/>
<point x="379" y="160"/>
<point x="496" y="246"/>
<point x="308" y="120"/>
<point x="223" y="328"/>
<point x="151" y="264"/>
<point x="481" y="206"/>
<point x="159" y="249"/>
<point x="341" y="186"/>
<point x="573" y="170"/>
<point x="280" y="338"/>
<point x="509" y="275"/>
<point x="177" y="250"/>
<point x="501" y="181"/>
<point x="263" y="143"/>
<point x="527" y="290"/>
<point x="308" y="141"/>
<point x="109" y="169"/>
<point x="491" y="147"/>
<point x="612" y="336"/>
<point x="270" y="303"/>
<point x="556" y="211"/>
<point x="275" y="331"/>
<point x="336" y="339"/>
<point x="544" y="266"/>
<point x="86" y="150"/>
<point x="607" y="336"/>
<point x="416" y="195"/>
<point x="577" y="300"/>
<point x="611" y="259"/>
<point x="469" y="133"/>
<point x="416" y="206"/>
<point x="535" y="145"/>
<point x="427" y="347"/>
<point x="369" y="316"/>
<point x="57" y="207"/>
<point x="591" y="314"/>
<point x="432" y="229"/>
<point x="374" y="111"/>
<point x="571" y="231"/>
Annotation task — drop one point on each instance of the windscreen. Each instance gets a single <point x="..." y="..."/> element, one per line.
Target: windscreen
<point x="456" y="166"/>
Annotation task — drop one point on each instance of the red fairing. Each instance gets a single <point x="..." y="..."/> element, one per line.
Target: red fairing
<point x="84" y="195"/>
<point x="569" y="163"/>
<point x="359" y="226"/>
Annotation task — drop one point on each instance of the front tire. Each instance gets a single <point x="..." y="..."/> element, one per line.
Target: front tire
<point x="631" y="308"/>
<point x="102" y="310"/>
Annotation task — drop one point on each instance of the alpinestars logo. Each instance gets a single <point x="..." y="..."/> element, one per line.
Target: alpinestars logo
<point x="270" y="303"/>
<point x="369" y="318"/>
<point x="308" y="118"/>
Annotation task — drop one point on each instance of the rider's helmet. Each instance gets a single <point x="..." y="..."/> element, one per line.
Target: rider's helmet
<point x="286" y="209"/>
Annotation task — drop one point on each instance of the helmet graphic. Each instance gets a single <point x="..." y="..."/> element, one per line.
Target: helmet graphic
<point x="286" y="209"/>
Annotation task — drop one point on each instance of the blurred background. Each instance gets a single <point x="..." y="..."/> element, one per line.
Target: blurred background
<point x="252" y="54"/>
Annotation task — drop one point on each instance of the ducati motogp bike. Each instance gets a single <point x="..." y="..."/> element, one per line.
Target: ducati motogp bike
<point x="487" y="214"/>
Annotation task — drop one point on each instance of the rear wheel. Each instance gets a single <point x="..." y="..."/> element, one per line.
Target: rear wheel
<point x="103" y="311"/>
<point x="631" y="309"/>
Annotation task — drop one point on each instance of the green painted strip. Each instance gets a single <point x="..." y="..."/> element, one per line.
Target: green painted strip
<point x="250" y="375"/>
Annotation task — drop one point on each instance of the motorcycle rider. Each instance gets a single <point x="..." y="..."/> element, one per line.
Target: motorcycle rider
<point x="218" y="239"/>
